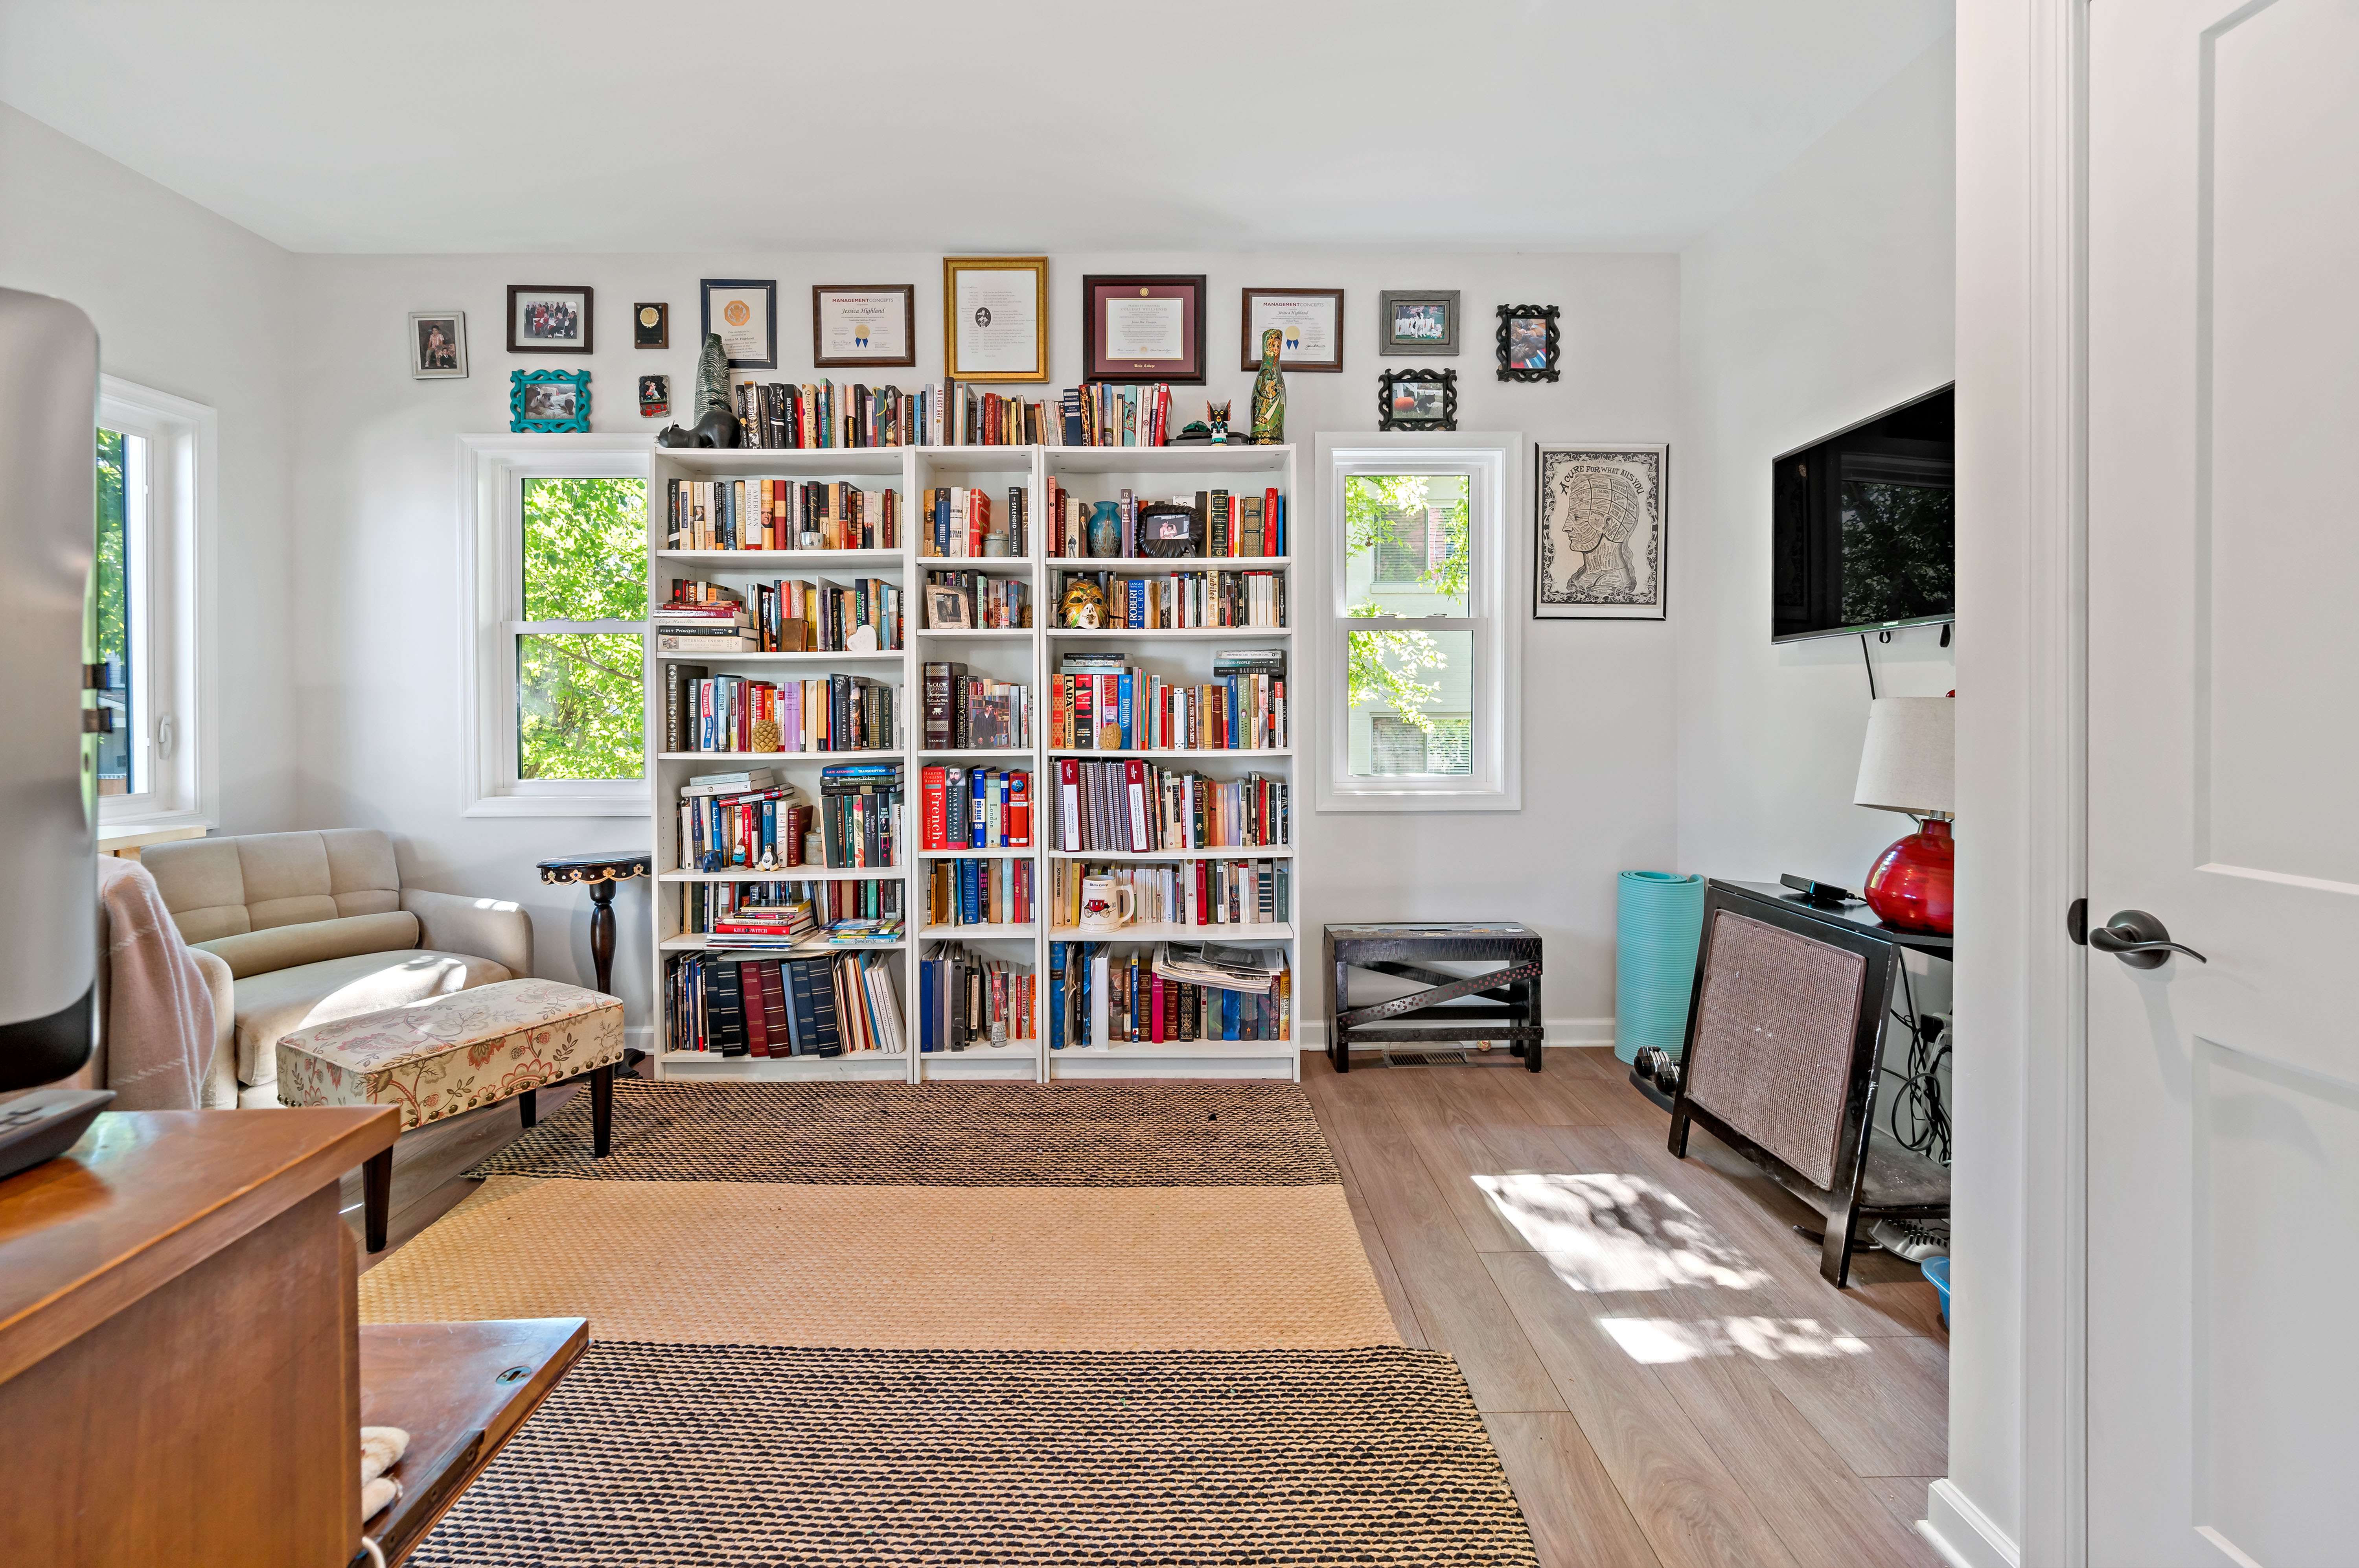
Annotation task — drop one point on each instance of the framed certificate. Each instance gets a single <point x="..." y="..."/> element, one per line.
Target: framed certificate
<point x="995" y="318"/>
<point x="746" y="313"/>
<point x="864" y="324"/>
<point x="1143" y="329"/>
<point x="1309" y="323"/>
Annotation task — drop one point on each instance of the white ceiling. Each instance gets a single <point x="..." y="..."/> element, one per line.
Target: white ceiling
<point x="423" y="126"/>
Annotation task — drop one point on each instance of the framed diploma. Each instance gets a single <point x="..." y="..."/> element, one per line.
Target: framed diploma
<point x="746" y="313"/>
<point x="1143" y="329"/>
<point x="995" y="318"/>
<point x="1309" y="323"/>
<point x="864" y="324"/>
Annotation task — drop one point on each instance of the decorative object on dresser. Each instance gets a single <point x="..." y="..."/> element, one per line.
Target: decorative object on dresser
<point x="1136" y="327"/>
<point x="1600" y="549"/>
<point x="1498" y="1004"/>
<point x="1417" y="321"/>
<point x="1312" y="323"/>
<point x="654" y="396"/>
<point x="995" y="318"/>
<point x="548" y="400"/>
<point x="1908" y="763"/>
<point x="1417" y="400"/>
<point x="651" y="325"/>
<point x="1269" y="394"/>
<point x="437" y="344"/>
<point x="856" y="325"/>
<point x="1784" y="1043"/>
<point x="1527" y="343"/>
<point x="547" y="319"/>
<point x="744" y="313"/>
<point x="716" y="425"/>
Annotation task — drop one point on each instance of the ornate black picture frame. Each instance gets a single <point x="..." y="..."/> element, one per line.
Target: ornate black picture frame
<point x="1417" y="400"/>
<point x="1527" y="343"/>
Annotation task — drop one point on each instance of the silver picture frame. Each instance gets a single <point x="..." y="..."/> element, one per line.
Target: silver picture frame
<point x="1390" y="344"/>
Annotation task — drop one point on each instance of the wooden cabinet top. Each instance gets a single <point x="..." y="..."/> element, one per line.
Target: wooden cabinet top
<point x="146" y="1195"/>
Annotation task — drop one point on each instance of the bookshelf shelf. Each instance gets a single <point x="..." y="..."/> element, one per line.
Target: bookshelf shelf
<point x="695" y="942"/>
<point x="1148" y="857"/>
<point x="1026" y="655"/>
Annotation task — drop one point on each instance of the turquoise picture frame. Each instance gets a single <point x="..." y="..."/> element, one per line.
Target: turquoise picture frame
<point x="548" y="400"/>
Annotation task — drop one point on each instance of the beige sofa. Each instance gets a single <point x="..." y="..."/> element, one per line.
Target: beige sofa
<point x="317" y="926"/>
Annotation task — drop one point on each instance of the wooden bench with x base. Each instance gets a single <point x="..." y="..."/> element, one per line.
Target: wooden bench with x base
<point x="1504" y="1002"/>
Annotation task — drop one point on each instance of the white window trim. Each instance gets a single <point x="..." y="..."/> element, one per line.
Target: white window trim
<point x="491" y="468"/>
<point x="180" y="591"/>
<point x="1495" y="593"/>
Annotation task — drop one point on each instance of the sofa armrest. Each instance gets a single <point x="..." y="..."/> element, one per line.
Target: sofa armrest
<point x="217" y="1090"/>
<point x="485" y="928"/>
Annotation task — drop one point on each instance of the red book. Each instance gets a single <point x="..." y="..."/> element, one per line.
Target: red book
<point x="757" y="1026"/>
<point x="1016" y="821"/>
<point x="1203" y="894"/>
<point x="936" y="782"/>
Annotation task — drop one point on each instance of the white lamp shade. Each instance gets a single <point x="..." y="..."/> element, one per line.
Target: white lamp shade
<point x="1909" y="760"/>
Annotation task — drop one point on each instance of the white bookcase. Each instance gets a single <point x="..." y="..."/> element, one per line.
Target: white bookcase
<point x="1027" y="655"/>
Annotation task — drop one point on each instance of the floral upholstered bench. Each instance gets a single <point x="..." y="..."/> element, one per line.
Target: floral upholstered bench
<point x="453" y="1053"/>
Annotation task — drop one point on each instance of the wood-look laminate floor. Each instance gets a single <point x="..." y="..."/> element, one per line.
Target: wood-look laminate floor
<point x="1667" y="1378"/>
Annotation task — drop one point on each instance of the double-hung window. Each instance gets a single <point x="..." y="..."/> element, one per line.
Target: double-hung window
<point x="559" y="651"/>
<point x="1419" y="686"/>
<point x="154" y="475"/>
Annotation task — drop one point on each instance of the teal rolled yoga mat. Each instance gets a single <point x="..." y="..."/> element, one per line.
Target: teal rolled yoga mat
<point x="1661" y="919"/>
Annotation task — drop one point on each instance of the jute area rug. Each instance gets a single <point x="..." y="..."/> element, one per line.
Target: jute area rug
<point x="961" y="1323"/>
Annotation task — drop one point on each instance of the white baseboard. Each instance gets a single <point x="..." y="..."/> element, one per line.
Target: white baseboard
<point x="1561" y="1031"/>
<point x="1962" y="1533"/>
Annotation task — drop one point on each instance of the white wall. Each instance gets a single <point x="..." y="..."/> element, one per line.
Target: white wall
<point x="188" y="303"/>
<point x="374" y="464"/>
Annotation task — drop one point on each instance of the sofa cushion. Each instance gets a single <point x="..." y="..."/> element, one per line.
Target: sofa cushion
<point x="284" y="947"/>
<point x="436" y="1058"/>
<point x="220" y="887"/>
<point x="285" y="1000"/>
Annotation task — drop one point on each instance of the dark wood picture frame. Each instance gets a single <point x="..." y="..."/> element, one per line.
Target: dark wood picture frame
<point x="769" y="289"/>
<point x="588" y="317"/>
<point x="1098" y="287"/>
<point x="1546" y="369"/>
<point x="1446" y="379"/>
<point x="651" y="334"/>
<point x="909" y="357"/>
<point x="1249" y="340"/>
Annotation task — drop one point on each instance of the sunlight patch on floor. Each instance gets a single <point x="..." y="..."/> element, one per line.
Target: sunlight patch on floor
<point x="1663" y="1341"/>
<point x="1607" y="1231"/>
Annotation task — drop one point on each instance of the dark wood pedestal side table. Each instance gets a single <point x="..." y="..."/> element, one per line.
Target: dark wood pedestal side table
<point x="1500" y="1004"/>
<point x="599" y="873"/>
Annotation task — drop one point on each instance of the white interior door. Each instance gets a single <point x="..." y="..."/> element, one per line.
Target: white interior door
<point x="2224" y="781"/>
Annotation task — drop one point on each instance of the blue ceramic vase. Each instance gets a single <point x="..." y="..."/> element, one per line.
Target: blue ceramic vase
<point x="1105" y="529"/>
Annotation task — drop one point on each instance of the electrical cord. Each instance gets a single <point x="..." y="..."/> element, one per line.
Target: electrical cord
<point x="1919" y="1119"/>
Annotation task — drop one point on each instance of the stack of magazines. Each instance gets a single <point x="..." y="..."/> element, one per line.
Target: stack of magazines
<point x="1253" y="970"/>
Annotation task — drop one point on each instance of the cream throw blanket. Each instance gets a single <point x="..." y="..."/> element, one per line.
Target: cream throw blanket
<point x="159" y="1011"/>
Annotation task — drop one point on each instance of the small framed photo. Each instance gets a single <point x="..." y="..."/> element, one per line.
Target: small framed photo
<point x="1418" y="320"/>
<point x="547" y="320"/>
<point x="1309" y="323"/>
<point x="1140" y="328"/>
<point x="1601" y="550"/>
<point x="995" y="318"/>
<point x="651" y="325"/>
<point x="1527" y="343"/>
<point x="654" y="396"/>
<point x="864" y="324"/>
<point x="437" y="344"/>
<point x="745" y="312"/>
<point x="548" y="400"/>
<point x="1417" y="400"/>
<point x="946" y="609"/>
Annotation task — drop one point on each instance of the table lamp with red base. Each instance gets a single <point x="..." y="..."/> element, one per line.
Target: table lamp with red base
<point x="1909" y="764"/>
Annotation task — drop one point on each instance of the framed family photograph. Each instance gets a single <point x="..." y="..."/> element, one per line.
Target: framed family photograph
<point x="1417" y="400"/>
<point x="866" y="324"/>
<point x="995" y="318"/>
<point x="651" y="325"/>
<point x="945" y="608"/>
<point x="1418" y="320"/>
<point x="437" y="344"/>
<point x="1310" y="322"/>
<point x="745" y="312"/>
<point x="544" y="400"/>
<point x="1527" y="343"/>
<point x="1136" y="328"/>
<point x="547" y="320"/>
<point x="1599" y="548"/>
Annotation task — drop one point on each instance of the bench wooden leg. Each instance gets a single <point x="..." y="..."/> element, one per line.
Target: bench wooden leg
<point x="529" y="1102"/>
<point x="601" y="1110"/>
<point x="376" y="1197"/>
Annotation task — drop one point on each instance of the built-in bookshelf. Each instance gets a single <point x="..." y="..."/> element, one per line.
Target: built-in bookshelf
<point x="1023" y="656"/>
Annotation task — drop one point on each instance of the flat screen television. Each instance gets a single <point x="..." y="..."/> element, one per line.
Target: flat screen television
<point x="1865" y="527"/>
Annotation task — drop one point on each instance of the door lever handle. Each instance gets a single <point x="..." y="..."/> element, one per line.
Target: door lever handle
<point x="2139" y="939"/>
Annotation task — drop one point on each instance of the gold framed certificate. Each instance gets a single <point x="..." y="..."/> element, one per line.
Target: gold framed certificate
<point x="995" y="318"/>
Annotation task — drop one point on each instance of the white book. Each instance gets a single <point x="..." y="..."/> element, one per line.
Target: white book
<point x="1099" y="967"/>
